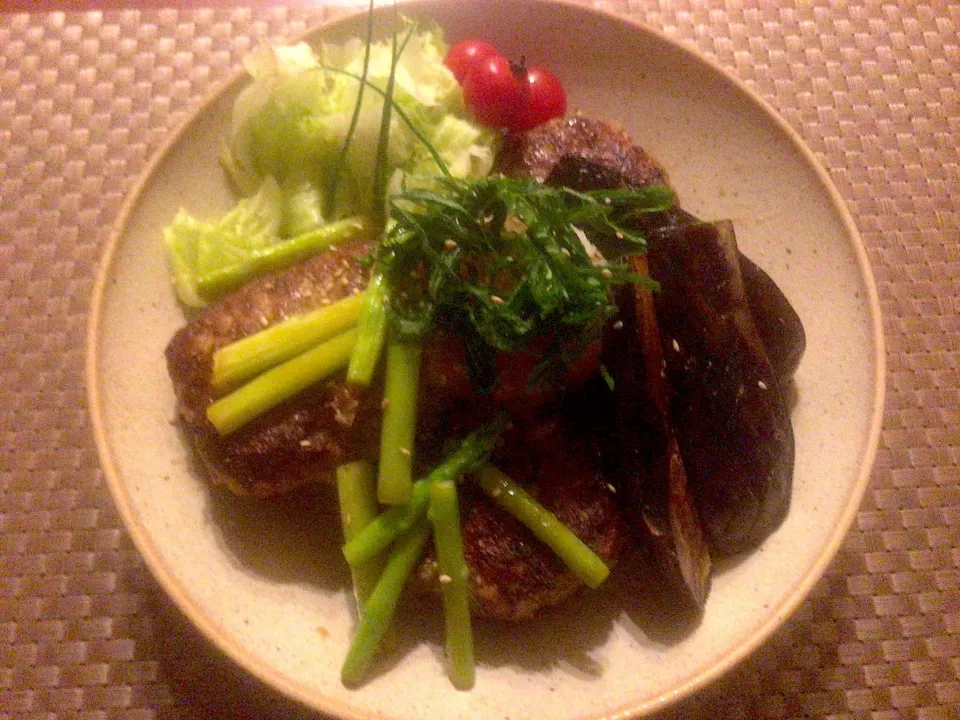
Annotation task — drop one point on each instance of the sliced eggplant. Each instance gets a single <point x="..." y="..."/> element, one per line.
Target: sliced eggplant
<point x="777" y="322"/>
<point x="649" y="462"/>
<point x="730" y="416"/>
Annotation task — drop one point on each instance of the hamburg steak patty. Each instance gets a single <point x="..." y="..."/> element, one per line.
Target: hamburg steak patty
<point x="561" y="151"/>
<point x="513" y="575"/>
<point x="302" y="439"/>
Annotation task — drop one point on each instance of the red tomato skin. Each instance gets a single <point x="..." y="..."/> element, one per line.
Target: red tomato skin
<point x="546" y="99"/>
<point x="494" y="94"/>
<point x="466" y="54"/>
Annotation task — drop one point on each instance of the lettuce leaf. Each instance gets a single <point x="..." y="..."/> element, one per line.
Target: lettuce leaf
<point x="293" y="119"/>
<point x="289" y="127"/>
<point x="196" y="248"/>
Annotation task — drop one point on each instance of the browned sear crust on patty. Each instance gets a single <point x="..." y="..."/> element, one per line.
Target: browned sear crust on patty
<point x="302" y="439"/>
<point x="513" y="575"/>
<point x="543" y="152"/>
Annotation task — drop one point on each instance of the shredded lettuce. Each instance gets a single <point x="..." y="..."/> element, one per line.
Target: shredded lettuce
<point x="288" y="130"/>
<point x="292" y="120"/>
<point x="196" y="248"/>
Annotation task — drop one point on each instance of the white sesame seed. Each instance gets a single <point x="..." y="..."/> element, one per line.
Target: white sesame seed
<point x="761" y="384"/>
<point x="611" y="488"/>
<point x="305" y="443"/>
<point x="607" y="201"/>
<point x="496" y="300"/>
<point x="607" y="273"/>
<point x="676" y="345"/>
<point x="618" y="235"/>
<point x="404" y="452"/>
<point x="445" y="579"/>
<point x="450" y="244"/>
<point x="618" y="325"/>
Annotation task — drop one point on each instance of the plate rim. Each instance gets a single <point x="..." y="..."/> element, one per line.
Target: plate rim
<point x="222" y="639"/>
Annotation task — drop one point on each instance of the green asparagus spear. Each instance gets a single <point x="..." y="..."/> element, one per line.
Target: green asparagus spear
<point x="584" y="563"/>
<point x="382" y="531"/>
<point x="280" y="383"/>
<point x="283" y="254"/>
<point x="255" y="353"/>
<point x="378" y="612"/>
<point x="371" y="330"/>
<point x="395" y="481"/>
<point x="357" y="494"/>
<point x="444" y="513"/>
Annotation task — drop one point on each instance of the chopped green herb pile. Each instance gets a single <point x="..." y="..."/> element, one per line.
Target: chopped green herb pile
<point x="504" y="259"/>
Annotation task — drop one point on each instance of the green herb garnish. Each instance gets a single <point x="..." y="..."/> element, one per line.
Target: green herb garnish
<point x="354" y="118"/>
<point x="503" y="261"/>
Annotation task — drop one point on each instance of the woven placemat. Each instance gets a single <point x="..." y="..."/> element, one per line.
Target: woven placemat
<point x="85" y="98"/>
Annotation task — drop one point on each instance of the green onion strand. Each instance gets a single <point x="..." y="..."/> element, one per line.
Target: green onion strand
<point x="354" y="118"/>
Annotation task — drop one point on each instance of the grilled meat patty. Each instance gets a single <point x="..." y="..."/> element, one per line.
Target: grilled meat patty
<point x="513" y="575"/>
<point x="579" y="152"/>
<point x="296" y="442"/>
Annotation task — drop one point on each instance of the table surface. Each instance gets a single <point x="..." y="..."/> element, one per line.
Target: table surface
<point x="86" y="97"/>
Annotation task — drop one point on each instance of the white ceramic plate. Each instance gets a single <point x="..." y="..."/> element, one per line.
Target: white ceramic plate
<point x="266" y="583"/>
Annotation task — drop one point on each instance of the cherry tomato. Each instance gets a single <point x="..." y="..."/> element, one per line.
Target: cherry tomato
<point x="546" y="99"/>
<point x="465" y="55"/>
<point x="495" y="93"/>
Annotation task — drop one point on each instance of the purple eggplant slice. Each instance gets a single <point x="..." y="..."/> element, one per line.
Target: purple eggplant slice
<point x="731" y="419"/>
<point x="777" y="322"/>
<point x="646" y="453"/>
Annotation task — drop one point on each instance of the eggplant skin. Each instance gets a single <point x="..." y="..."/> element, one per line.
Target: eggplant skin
<point x="642" y="446"/>
<point x="777" y="322"/>
<point x="732" y="421"/>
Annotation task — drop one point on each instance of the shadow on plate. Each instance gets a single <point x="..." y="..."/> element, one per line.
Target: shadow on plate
<point x="294" y="538"/>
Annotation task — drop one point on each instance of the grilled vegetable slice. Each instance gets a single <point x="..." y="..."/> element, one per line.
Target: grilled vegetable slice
<point x="732" y="421"/>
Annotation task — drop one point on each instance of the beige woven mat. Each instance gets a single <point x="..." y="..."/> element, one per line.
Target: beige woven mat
<point x="86" y="98"/>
